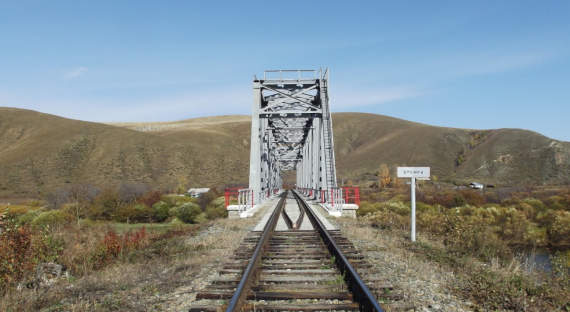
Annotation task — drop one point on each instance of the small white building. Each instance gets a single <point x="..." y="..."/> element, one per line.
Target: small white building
<point x="476" y="185"/>
<point x="196" y="192"/>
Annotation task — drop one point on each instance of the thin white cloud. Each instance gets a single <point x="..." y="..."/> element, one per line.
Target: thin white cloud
<point x="493" y="63"/>
<point x="208" y="102"/>
<point x="345" y="99"/>
<point x="75" y="72"/>
<point x="232" y="100"/>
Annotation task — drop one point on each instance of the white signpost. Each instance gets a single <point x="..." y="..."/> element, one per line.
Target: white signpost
<point x="421" y="173"/>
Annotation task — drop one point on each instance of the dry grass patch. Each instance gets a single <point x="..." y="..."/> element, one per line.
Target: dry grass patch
<point x="163" y="276"/>
<point x="422" y="282"/>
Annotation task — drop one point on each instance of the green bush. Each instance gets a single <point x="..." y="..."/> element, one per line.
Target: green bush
<point x="423" y="207"/>
<point x="399" y="207"/>
<point x="538" y="205"/>
<point x="29" y="216"/>
<point x="160" y="211"/>
<point x="557" y="202"/>
<point x="559" y="231"/>
<point x="201" y="218"/>
<point x="105" y="206"/>
<point x="176" y="200"/>
<point x="366" y="208"/>
<point x="512" y="225"/>
<point x="15" y="211"/>
<point x="468" y="235"/>
<point x="187" y="212"/>
<point x="389" y="220"/>
<point x="134" y="213"/>
<point x="51" y="218"/>
<point x="217" y="209"/>
<point x="432" y="222"/>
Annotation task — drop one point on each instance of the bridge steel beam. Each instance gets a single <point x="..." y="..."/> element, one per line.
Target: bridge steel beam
<point x="291" y="129"/>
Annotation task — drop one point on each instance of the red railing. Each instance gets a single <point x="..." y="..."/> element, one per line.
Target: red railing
<point x="351" y="194"/>
<point x="231" y="193"/>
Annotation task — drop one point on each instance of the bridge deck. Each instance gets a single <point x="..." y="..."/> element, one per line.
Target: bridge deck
<point x="293" y="214"/>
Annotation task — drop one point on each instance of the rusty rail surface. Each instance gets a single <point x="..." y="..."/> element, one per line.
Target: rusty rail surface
<point x="249" y="275"/>
<point x="360" y="291"/>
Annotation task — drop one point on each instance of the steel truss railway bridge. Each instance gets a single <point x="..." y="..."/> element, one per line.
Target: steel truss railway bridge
<point x="291" y="129"/>
<point x="289" y="262"/>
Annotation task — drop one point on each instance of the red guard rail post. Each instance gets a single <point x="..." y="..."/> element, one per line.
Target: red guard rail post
<point x="351" y="195"/>
<point x="231" y="193"/>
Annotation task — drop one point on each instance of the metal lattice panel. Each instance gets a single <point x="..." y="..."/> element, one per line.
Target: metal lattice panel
<point x="291" y="130"/>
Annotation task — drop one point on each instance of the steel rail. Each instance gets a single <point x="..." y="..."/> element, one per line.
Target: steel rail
<point x="251" y="270"/>
<point x="299" y="221"/>
<point x="360" y="291"/>
<point x="287" y="220"/>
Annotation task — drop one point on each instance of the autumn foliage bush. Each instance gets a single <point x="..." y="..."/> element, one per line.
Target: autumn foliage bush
<point x="115" y="245"/>
<point x="22" y="249"/>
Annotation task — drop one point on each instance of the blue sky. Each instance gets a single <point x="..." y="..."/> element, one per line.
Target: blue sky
<point x="468" y="64"/>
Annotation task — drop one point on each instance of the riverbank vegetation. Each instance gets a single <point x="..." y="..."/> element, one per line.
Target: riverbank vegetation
<point x="487" y="237"/>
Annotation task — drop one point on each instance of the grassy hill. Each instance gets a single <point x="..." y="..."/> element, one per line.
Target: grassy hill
<point x="41" y="152"/>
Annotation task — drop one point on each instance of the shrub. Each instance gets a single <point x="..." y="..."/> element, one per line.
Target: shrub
<point x="546" y="219"/>
<point x="445" y="199"/>
<point x="14" y="211"/>
<point x="536" y="236"/>
<point x="201" y="218"/>
<point x="432" y="222"/>
<point x="458" y="201"/>
<point x="468" y="235"/>
<point x="114" y="245"/>
<point x="512" y="225"/>
<point x="559" y="231"/>
<point x="160" y="211"/>
<point x="186" y="212"/>
<point x="205" y="199"/>
<point x="29" y="216"/>
<point x="15" y="243"/>
<point x="388" y="220"/>
<point x="423" y="207"/>
<point x="398" y="207"/>
<point x="536" y="204"/>
<point x="150" y="198"/>
<point x="529" y="211"/>
<point x="22" y="249"/>
<point x="134" y="213"/>
<point x="217" y="208"/>
<point x="365" y="208"/>
<point x="105" y="205"/>
<point x="473" y="197"/>
<point x="176" y="200"/>
<point x="52" y="218"/>
<point x="557" y="202"/>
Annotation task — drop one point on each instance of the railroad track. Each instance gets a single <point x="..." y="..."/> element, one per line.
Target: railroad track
<point x="296" y="265"/>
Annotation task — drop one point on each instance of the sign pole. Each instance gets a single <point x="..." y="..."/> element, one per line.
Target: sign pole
<point x="413" y="173"/>
<point x="413" y="185"/>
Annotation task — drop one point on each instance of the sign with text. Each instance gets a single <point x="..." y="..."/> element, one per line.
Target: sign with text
<point x="413" y="172"/>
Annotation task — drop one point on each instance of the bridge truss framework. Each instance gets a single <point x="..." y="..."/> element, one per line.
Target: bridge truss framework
<point x="291" y="129"/>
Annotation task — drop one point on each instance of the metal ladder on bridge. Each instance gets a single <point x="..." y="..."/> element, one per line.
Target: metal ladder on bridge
<point x="330" y="167"/>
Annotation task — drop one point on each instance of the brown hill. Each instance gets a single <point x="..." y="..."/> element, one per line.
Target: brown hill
<point x="41" y="152"/>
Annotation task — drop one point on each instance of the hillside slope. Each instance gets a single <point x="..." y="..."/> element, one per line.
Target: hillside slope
<point x="503" y="156"/>
<point x="41" y="152"/>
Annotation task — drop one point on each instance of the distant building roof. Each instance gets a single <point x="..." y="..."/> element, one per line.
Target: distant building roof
<point x="477" y="185"/>
<point x="199" y="190"/>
